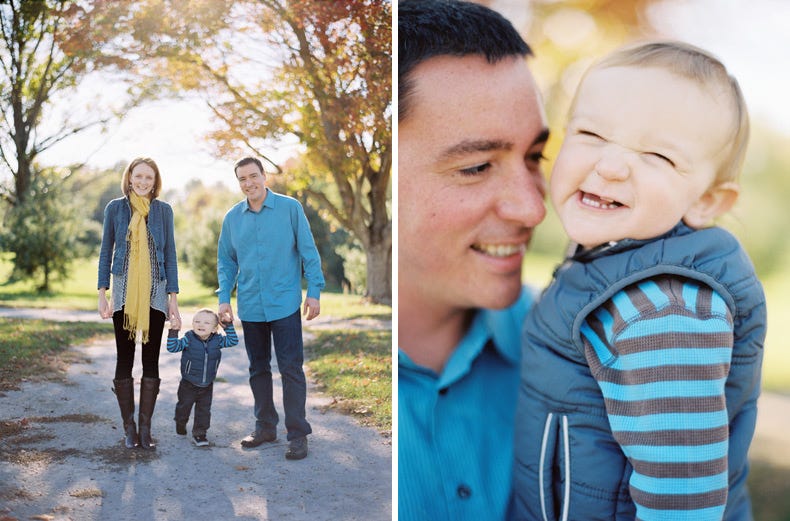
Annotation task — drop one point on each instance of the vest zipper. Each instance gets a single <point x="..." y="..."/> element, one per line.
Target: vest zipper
<point x="205" y="361"/>
<point x="566" y="450"/>
<point x="542" y="466"/>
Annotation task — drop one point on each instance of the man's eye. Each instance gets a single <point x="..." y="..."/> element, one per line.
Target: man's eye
<point x="475" y="170"/>
<point x="537" y="157"/>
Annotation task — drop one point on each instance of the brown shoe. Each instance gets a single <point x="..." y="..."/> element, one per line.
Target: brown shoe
<point x="297" y="448"/>
<point x="258" y="438"/>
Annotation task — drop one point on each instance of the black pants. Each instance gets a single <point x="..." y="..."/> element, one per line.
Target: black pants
<point x="188" y="394"/>
<point x="125" y="346"/>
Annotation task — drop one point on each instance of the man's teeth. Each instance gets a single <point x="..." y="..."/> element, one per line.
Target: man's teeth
<point x="600" y="202"/>
<point x="500" y="250"/>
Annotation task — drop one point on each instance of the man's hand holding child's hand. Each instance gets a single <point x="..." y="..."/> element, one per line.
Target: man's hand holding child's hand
<point x="225" y="320"/>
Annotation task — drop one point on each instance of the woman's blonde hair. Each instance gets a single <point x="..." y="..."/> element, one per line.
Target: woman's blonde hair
<point x="699" y="66"/>
<point x="127" y="176"/>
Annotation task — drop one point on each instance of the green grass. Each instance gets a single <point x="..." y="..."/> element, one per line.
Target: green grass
<point x="79" y="290"/>
<point x="355" y="368"/>
<point x="31" y="349"/>
<point x="338" y="305"/>
<point x="776" y="365"/>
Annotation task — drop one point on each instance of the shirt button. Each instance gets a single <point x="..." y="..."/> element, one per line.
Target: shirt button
<point x="463" y="491"/>
<point x="443" y="391"/>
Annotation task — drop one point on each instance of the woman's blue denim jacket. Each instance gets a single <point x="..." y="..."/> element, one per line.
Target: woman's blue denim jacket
<point x="117" y="215"/>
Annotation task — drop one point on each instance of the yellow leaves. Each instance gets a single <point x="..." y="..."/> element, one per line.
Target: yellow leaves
<point x="85" y="493"/>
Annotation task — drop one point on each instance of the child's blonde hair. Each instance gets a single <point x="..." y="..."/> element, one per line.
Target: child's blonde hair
<point x="210" y="312"/>
<point x="698" y="65"/>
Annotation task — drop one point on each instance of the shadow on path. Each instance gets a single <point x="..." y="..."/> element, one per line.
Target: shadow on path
<point x="61" y="454"/>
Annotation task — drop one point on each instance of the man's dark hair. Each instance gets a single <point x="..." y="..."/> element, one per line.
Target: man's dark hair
<point x="428" y="28"/>
<point x="247" y="161"/>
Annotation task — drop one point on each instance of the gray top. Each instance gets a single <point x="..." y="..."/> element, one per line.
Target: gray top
<point x="158" y="291"/>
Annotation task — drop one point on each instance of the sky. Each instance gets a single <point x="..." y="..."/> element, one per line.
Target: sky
<point x="751" y="37"/>
<point x="169" y="131"/>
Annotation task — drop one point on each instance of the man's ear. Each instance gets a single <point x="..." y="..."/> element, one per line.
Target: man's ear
<point x="716" y="201"/>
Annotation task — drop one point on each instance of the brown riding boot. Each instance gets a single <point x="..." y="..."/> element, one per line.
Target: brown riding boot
<point x="149" y="388"/>
<point x="124" y="391"/>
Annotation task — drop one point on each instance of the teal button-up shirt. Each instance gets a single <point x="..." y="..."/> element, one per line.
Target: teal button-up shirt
<point x="265" y="253"/>
<point x="455" y="429"/>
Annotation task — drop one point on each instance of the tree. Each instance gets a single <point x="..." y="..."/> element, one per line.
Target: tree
<point x="202" y="250"/>
<point x="316" y="71"/>
<point x="43" y="231"/>
<point x="198" y="222"/>
<point x="46" y="47"/>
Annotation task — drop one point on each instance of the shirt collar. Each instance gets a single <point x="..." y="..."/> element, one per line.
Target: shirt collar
<point x="504" y="327"/>
<point x="269" y="202"/>
<point x="488" y="327"/>
<point x="501" y="327"/>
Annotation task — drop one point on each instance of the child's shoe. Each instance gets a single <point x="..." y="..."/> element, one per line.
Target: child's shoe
<point x="200" y="441"/>
<point x="181" y="429"/>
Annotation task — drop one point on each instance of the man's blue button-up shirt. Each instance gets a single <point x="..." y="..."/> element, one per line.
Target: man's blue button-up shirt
<point x="455" y="429"/>
<point x="265" y="253"/>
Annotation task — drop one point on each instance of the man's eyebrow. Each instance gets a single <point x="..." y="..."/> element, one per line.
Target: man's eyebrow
<point x="471" y="146"/>
<point x="486" y="145"/>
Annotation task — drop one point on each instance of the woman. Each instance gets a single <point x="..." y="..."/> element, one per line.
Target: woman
<point x="138" y="248"/>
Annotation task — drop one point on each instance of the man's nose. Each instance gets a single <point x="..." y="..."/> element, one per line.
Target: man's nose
<point x="521" y="197"/>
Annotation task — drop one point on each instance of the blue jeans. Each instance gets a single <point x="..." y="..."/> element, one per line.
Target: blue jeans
<point x="288" y="347"/>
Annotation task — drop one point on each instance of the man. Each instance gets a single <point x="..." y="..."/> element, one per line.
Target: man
<point x="471" y="136"/>
<point x="265" y="246"/>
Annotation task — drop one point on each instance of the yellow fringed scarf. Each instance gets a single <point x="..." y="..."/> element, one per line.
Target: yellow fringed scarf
<point x="138" y="282"/>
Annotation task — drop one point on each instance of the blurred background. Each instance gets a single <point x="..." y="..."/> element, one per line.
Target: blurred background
<point x="87" y="86"/>
<point x="752" y="39"/>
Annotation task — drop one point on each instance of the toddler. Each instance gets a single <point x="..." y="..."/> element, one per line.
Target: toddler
<point x="200" y="357"/>
<point x="642" y="359"/>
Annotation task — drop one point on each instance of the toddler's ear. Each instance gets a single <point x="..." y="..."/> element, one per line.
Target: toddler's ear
<point x="715" y="202"/>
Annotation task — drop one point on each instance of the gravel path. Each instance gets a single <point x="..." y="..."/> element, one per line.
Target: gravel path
<point x="61" y="456"/>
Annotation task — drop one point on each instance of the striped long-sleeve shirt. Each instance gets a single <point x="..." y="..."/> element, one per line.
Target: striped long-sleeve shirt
<point x="176" y="345"/>
<point x="660" y="351"/>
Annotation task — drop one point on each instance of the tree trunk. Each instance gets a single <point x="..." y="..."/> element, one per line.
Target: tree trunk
<point x="45" y="286"/>
<point x="379" y="272"/>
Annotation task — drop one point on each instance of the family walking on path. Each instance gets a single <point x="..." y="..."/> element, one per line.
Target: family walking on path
<point x="60" y="456"/>
<point x="264" y="250"/>
<point x="60" y="452"/>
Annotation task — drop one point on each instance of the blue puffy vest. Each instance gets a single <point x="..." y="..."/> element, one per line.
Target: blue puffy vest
<point x="200" y="360"/>
<point x="568" y="466"/>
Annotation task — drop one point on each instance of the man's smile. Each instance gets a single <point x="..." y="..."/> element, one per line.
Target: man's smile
<point x="500" y="250"/>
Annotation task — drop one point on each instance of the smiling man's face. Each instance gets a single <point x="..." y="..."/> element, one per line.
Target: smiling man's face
<point x="252" y="182"/>
<point x="470" y="187"/>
